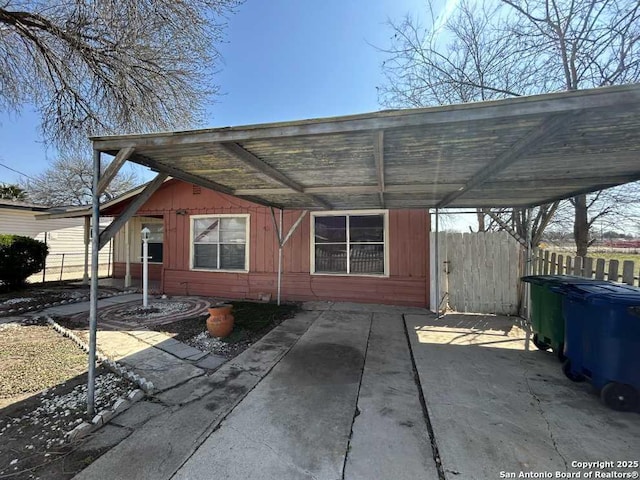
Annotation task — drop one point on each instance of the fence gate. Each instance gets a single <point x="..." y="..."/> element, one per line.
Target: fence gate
<point x="478" y="272"/>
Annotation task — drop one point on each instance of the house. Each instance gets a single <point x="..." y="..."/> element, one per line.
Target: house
<point x="356" y="190"/>
<point x="204" y="242"/>
<point x="65" y="237"/>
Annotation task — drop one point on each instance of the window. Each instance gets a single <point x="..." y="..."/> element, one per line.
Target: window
<point x="156" y="236"/>
<point x="219" y="242"/>
<point x="349" y="244"/>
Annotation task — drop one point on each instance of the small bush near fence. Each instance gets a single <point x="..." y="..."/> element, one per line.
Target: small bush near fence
<point x="20" y="257"/>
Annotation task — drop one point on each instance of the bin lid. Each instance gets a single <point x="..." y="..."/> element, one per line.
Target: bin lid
<point x="611" y="293"/>
<point x="556" y="280"/>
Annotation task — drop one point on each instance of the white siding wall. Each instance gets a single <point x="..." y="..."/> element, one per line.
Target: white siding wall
<point x="63" y="235"/>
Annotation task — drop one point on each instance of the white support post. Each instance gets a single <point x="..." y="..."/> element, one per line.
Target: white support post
<point x="528" y="269"/>
<point x="280" y="255"/>
<point x="93" y="311"/>
<point x="87" y="228"/>
<point x="145" y="267"/>
<point x="437" y="262"/>
<point x="127" y="249"/>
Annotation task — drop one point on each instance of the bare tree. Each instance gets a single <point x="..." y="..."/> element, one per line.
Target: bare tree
<point x="104" y="66"/>
<point x="68" y="182"/>
<point x="495" y="50"/>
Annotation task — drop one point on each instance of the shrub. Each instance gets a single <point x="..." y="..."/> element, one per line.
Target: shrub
<point x="20" y="257"/>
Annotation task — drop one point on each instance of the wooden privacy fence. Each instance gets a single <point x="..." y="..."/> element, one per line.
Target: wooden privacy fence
<point x="546" y="262"/>
<point x="479" y="272"/>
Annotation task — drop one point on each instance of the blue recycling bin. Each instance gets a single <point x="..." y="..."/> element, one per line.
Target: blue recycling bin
<point x="602" y="340"/>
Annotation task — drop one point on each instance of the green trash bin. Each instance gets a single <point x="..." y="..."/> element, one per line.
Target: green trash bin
<point x="547" y="321"/>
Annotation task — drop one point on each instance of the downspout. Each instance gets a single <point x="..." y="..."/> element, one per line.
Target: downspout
<point x="93" y="312"/>
<point x="436" y="257"/>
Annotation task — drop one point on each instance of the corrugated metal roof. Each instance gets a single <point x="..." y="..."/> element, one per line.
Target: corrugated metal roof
<point x="517" y="152"/>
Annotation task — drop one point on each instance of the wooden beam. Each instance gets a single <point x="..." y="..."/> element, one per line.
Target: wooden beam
<point x="294" y="227"/>
<point x="378" y="157"/>
<point x="259" y="165"/>
<point x="131" y="209"/>
<point x="351" y="189"/>
<point x="113" y="168"/>
<point x="531" y="141"/>
<point x="182" y="175"/>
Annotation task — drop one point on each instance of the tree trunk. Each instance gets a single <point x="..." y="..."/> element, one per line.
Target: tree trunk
<point x="481" y="225"/>
<point x="581" y="225"/>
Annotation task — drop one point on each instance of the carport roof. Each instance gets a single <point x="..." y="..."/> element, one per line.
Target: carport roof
<point x="517" y="152"/>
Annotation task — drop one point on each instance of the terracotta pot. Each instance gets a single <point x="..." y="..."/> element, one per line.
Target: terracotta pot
<point x="220" y="321"/>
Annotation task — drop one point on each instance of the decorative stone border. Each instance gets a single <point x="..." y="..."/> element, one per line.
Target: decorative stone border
<point x="121" y="404"/>
<point x="85" y="298"/>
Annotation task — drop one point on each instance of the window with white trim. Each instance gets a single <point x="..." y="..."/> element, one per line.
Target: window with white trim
<point x="349" y="244"/>
<point x="219" y="242"/>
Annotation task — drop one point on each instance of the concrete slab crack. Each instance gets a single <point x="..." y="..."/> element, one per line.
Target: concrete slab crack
<point x="425" y="411"/>
<point x="356" y="411"/>
<point x="544" y="417"/>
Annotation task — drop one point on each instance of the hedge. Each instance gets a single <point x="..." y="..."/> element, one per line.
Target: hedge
<point x="20" y="257"/>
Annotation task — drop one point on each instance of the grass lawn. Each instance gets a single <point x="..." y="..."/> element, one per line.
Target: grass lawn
<point x="34" y="358"/>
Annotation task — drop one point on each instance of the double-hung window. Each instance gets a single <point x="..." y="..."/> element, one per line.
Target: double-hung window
<point x="353" y="243"/>
<point x="219" y="242"/>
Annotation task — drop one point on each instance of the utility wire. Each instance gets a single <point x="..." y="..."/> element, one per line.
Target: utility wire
<point x="16" y="171"/>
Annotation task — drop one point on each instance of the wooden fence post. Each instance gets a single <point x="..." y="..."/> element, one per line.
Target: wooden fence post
<point x="600" y="269"/>
<point x="587" y="267"/>
<point x="613" y="271"/>
<point x="569" y="262"/>
<point x="552" y="270"/>
<point x="577" y="266"/>
<point x="627" y="272"/>
<point x="545" y="265"/>
<point x="560" y="264"/>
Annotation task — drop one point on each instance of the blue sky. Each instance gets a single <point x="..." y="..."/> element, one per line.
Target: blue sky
<point x="283" y="60"/>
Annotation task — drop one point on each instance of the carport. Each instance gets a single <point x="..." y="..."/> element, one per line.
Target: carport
<point x="519" y="152"/>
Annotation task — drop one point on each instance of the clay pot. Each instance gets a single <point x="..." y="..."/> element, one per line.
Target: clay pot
<point x="220" y="321"/>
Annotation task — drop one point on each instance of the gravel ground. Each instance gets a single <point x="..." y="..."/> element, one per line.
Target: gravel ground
<point x="155" y="310"/>
<point x="252" y="321"/>
<point x="37" y="295"/>
<point x="43" y="393"/>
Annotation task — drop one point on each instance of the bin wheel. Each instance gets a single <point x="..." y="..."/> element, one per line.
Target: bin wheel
<point x="540" y="344"/>
<point x="560" y="353"/>
<point x="574" y="377"/>
<point x="619" y="396"/>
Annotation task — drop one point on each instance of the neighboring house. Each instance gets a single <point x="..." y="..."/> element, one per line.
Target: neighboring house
<point x="207" y="243"/>
<point x="62" y="235"/>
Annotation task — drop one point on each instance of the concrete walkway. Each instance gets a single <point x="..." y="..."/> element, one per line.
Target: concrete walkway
<point x="156" y="356"/>
<point x="497" y="404"/>
<point x="348" y="391"/>
<point x="303" y="402"/>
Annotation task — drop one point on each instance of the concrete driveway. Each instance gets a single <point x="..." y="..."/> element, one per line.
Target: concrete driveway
<point x="375" y="392"/>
